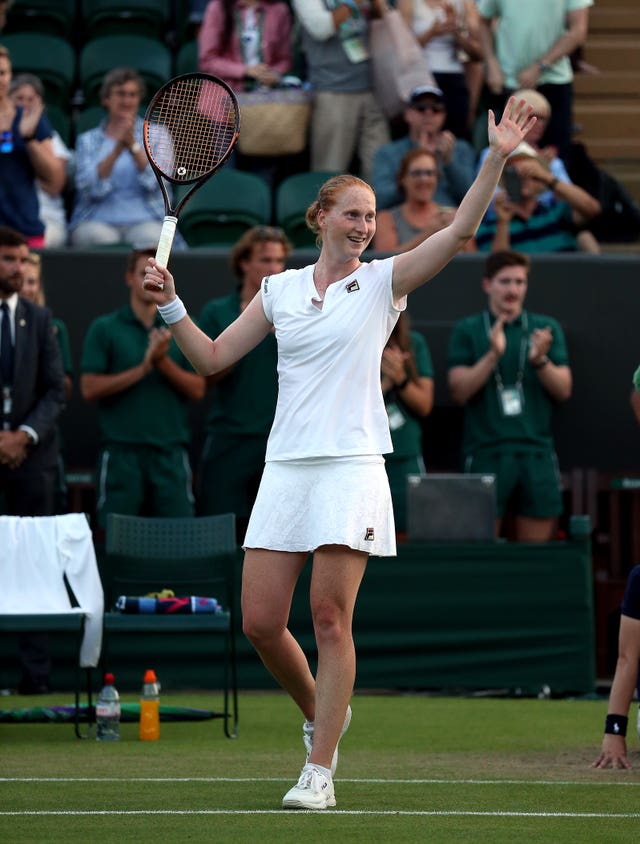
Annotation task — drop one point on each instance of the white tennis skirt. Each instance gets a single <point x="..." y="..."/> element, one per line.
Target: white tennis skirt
<point x="303" y="504"/>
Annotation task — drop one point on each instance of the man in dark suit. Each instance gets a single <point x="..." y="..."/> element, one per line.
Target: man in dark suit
<point x="32" y="384"/>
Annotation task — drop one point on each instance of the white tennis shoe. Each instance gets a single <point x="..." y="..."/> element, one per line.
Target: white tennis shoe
<point x="307" y="738"/>
<point x="312" y="791"/>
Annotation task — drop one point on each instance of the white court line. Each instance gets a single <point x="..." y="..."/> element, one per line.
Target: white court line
<point x="435" y="813"/>
<point x="432" y="781"/>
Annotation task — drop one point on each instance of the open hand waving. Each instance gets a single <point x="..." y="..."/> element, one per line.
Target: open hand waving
<point x="516" y="122"/>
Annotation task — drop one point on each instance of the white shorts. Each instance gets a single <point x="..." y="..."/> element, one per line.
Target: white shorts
<point x="303" y="504"/>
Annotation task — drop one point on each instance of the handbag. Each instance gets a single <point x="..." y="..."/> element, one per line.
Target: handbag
<point x="398" y="64"/>
<point x="274" y="121"/>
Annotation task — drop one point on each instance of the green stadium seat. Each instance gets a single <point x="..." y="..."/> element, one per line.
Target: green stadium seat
<point x="57" y="18"/>
<point x="126" y="17"/>
<point x="51" y="58"/>
<point x="187" y="58"/>
<point x="61" y="121"/>
<point x="224" y="208"/>
<point x="293" y="196"/>
<point x="150" y="57"/>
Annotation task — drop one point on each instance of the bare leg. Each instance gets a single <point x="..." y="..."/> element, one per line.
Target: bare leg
<point x="337" y="574"/>
<point x="529" y="529"/>
<point x="268" y="581"/>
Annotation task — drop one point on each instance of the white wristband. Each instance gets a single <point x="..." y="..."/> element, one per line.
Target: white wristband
<point x="172" y="312"/>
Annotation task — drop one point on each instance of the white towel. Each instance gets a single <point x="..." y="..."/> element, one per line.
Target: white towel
<point x="35" y="553"/>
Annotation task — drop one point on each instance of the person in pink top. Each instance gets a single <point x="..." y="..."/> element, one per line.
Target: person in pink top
<point x="247" y="43"/>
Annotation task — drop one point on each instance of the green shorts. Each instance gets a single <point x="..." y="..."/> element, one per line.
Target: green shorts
<point x="229" y="473"/>
<point x="527" y="481"/>
<point x="397" y="470"/>
<point x="144" y="480"/>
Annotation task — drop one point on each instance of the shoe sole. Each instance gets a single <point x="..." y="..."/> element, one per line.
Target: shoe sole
<point x="295" y="803"/>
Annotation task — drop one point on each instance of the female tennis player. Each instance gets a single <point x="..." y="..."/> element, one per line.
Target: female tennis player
<point x="324" y="489"/>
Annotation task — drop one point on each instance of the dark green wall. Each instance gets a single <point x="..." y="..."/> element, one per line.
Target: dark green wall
<point x="595" y="299"/>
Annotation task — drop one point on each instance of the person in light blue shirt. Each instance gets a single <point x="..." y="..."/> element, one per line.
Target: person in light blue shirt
<point x="117" y="195"/>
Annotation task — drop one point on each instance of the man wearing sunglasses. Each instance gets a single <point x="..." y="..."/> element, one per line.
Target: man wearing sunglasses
<point x="425" y="114"/>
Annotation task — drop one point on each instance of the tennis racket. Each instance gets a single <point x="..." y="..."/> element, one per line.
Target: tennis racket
<point x="190" y="129"/>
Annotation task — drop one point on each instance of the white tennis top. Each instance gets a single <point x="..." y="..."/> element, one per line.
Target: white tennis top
<point x="330" y="401"/>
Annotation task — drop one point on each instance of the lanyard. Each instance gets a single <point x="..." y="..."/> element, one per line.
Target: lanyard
<point x="524" y="344"/>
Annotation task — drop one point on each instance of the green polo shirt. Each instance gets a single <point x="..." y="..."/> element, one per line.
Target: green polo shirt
<point x="406" y="429"/>
<point x="244" y="401"/>
<point x="485" y="425"/>
<point x="636" y="379"/>
<point x="150" y="412"/>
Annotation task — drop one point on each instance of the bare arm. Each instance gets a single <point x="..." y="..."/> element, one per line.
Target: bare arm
<point x="208" y="356"/>
<point x="614" y="747"/>
<point x="493" y="71"/>
<point x="576" y="34"/>
<point x="414" y="268"/>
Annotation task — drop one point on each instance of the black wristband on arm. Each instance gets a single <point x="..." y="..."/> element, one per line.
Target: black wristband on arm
<point x="616" y="725"/>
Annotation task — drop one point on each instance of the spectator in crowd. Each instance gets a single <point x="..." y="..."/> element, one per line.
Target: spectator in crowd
<point x="33" y="290"/>
<point x="402" y="227"/>
<point x="26" y="154"/>
<point x="425" y="115"/>
<point x="635" y="395"/>
<point x="346" y="120"/>
<point x="613" y="753"/>
<point x="528" y="45"/>
<point x="407" y="387"/>
<point x="244" y="396"/>
<point x="142" y="385"/>
<point x="522" y="221"/>
<point x="27" y="91"/>
<point x="32" y="400"/>
<point x="585" y="241"/>
<point x="448" y="32"/>
<point x="247" y="43"/>
<point x="117" y="199"/>
<point x="508" y="368"/>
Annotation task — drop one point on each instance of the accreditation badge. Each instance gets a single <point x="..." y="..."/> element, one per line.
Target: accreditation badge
<point x="512" y="400"/>
<point x="396" y="417"/>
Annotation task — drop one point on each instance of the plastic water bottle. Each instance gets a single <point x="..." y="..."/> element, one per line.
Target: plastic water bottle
<point x="150" y="707"/>
<point x="108" y="711"/>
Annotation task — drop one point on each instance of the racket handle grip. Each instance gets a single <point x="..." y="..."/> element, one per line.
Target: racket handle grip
<point x="166" y="240"/>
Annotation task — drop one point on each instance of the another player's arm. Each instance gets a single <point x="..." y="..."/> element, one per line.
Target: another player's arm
<point x="614" y="746"/>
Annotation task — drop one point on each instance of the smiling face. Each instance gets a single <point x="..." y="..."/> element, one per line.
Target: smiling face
<point x="123" y="100"/>
<point x="419" y="177"/>
<point x="506" y="291"/>
<point x="348" y="227"/>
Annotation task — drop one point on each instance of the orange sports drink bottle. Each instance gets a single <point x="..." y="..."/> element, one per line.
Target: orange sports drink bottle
<point x="150" y="708"/>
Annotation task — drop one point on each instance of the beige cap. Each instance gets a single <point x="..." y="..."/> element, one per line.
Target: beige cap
<point x="538" y="102"/>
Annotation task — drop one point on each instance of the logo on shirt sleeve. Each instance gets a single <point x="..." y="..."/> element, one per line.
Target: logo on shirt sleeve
<point x="353" y="286"/>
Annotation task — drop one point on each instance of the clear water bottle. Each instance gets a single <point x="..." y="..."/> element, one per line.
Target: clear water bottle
<point x="150" y="707"/>
<point x="108" y="711"/>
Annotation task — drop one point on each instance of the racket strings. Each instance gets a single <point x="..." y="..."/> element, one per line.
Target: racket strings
<point x="191" y="127"/>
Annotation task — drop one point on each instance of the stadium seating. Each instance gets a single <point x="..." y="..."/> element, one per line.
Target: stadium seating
<point x="48" y="56"/>
<point x="150" y="57"/>
<point x="224" y="208"/>
<point x="126" y="17"/>
<point x="42" y="16"/>
<point x="293" y="196"/>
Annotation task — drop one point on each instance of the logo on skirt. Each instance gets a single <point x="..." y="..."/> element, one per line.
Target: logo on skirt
<point x="368" y="535"/>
